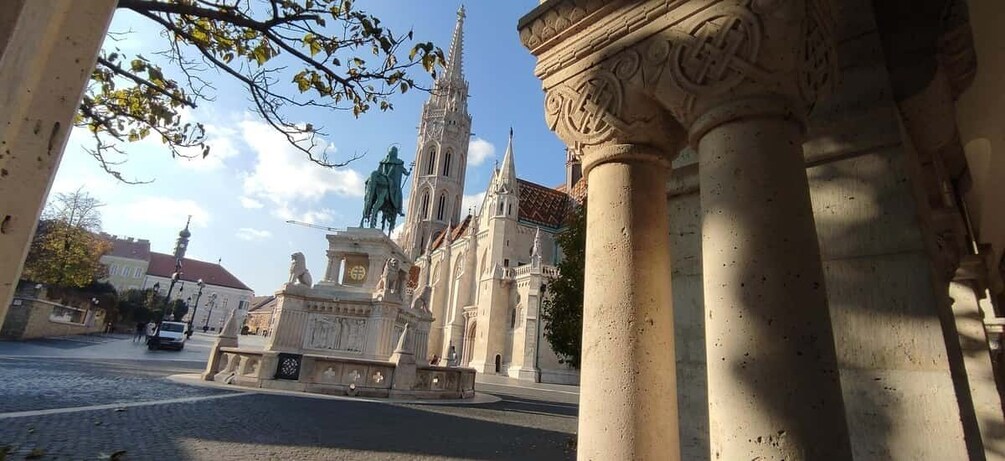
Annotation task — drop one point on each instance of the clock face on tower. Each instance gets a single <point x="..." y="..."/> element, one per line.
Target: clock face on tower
<point x="357" y="273"/>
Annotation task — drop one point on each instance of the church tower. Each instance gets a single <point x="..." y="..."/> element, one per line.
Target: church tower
<point x="441" y="157"/>
<point x="181" y="245"/>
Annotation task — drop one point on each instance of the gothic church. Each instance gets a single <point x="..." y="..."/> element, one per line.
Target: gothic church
<point x="488" y="270"/>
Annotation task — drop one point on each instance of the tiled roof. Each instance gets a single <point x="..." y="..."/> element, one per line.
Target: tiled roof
<point x="263" y="304"/>
<point x="578" y="192"/>
<point x="260" y="302"/>
<point x="128" y="248"/>
<point x="455" y="232"/>
<point x="162" y="265"/>
<point x="542" y="205"/>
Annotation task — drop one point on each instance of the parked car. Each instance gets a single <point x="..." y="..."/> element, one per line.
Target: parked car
<point x="171" y="335"/>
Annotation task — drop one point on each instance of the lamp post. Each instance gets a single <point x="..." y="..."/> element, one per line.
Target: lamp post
<point x="195" y="308"/>
<point x="211" y="303"/>
<point x="167" y="299"/>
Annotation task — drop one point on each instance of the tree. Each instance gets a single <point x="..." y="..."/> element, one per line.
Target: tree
<point x="77" y="209"/>
<point x="140" y="305"/>
<point x="316" y="47"/>
<point x="178" y="309"/>
<point x="66" y="251"/>
<point x="562" y="308"/>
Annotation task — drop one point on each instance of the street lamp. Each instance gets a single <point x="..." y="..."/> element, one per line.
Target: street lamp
<point x="195" y="308"/>
<point x="211" y="303"/>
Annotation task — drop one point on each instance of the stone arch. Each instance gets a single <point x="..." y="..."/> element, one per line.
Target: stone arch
<point x="441" y="207"/>
<point x="469" y="342"/>
<point x="447" y="158"/>
<point x="431" y="159"/>
<point x="424" y="207"/>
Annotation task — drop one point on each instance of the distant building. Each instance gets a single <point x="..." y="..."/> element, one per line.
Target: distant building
<point x="131" y="265"/>
<point x="230" y="292"/>
<point x="127" y="262"/>
<point x="260" y="315"/>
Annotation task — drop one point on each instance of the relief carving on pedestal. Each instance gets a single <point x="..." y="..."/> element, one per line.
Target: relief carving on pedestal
<point x="328" y="332"/>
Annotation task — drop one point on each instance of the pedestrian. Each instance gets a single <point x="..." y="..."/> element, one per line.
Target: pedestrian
<point x="151" y="329"/>
<point x="141" y="329"/>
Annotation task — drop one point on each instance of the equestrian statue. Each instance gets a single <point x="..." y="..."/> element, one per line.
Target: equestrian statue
<point x="383" y="193"/>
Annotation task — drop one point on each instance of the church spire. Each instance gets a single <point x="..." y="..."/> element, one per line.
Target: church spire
<point x="506" y="177"/>
<point x="455" y="58"/>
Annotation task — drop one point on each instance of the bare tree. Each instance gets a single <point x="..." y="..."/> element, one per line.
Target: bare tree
<point x="76" y="209"/>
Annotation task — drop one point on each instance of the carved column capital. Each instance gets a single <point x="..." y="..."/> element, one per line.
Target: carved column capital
<point x="691" y="60"/>
<point x="736" y="59"/>
<point x="595" y="110"/>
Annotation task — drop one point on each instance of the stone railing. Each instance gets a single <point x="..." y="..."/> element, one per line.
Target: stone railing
<point x="522" y="270"/>
<point x="338" y="376"/>
<point x="547" y="271"/>
<point x="237" y="366"/>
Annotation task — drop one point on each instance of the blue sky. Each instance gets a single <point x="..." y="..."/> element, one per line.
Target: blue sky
<point x="241" y="196"/>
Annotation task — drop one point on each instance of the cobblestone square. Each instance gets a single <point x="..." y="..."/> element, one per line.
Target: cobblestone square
<point x="92" y="398"/>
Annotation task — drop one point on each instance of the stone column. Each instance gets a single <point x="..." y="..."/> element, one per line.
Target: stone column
<point x="47" y="51"/>
<point x="773" y="383"/>
<point x="628" y="408"/>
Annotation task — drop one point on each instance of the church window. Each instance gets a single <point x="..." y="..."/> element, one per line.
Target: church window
<point x="431" y="161"/>
<point x="425" y="205"/>
<point x="440" y="208"/>
<point x="446" y="163"/>
<point x="509" y="210"/>
<point x="512" y="318"/>
<point x="506" y="263"/>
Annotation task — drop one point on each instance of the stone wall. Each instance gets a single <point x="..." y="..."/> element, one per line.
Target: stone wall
<point x="30" y="318"/>
<point x="689" y="309"/>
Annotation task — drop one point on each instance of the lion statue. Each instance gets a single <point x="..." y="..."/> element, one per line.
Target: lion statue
<point x="389" y="280"/>
<point x="299" y="275"/>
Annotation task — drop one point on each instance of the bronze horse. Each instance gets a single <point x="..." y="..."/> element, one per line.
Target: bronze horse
<point x="378" y="199"/>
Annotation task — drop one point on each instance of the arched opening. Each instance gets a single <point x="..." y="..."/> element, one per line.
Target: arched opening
<point x="431" y="161"/>
<point x="498" y="363"/>
<point x="441" y="207"/>
<point x="469" y="344"/>
<point x="446" y="163"/>
<point x="424" y="210"/>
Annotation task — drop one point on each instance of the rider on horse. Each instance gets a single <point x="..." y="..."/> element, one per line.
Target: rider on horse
<point x="383" y="192"/>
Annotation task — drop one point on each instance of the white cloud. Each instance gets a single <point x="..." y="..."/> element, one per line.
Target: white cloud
<point x="472" y="202"/>
<point x="251" y="203"/>
<point x="221" y="141"/>
<point x="249" y="234"/>
<point x="480" y="150"/>
<point x="319" y="216"/>
<point x="284" y="177"/>
<point x="162" y="211"/>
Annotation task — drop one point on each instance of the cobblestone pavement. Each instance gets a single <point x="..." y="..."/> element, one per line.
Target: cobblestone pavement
<point x="222" y="425"/>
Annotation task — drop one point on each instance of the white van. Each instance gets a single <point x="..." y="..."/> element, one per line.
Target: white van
<point x="170" y="336"/>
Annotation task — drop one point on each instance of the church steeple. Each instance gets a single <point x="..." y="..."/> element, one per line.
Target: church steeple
<point x="182" y="243"/>
<point x="442" y="153"/>
<point x="506" y="178"/>
<point x="455" y="58"/>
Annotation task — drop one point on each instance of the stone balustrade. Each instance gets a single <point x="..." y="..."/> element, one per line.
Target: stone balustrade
<point x="338" y="376"/>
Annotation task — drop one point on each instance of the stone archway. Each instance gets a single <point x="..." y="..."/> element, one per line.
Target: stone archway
<point x="469" y="343"/>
